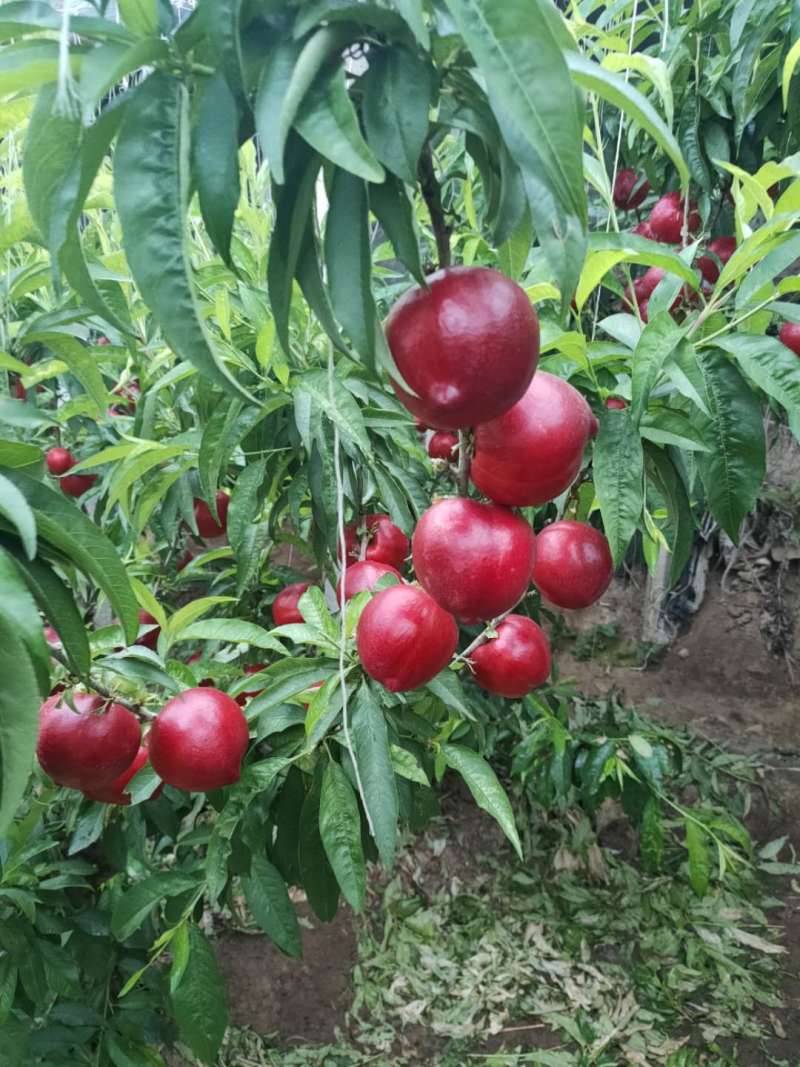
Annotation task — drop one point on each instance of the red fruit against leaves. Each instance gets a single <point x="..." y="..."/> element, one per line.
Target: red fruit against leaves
<point x="573" y="564"/>
<point x="616" y="403"/>
<point x="790" y="335"/>
<point x="644" y="229"/>
<point x="666" y="218"/>
<point x="89" y="749"/>
<point x="442" y="445"/>
<point x="76" y="485"/>
<point x="149" y="639"/>
<point x="250" y="668"/>
<point x="103" y="340"/>
<point x="474" y="559"/>
<point x="198" y="740"/>
<point x="645" y="286"/>
<point x="284" y="606"/>
<point x="386" y="543"/>
<point x="20" y="392"/>
<point x="644" y="309"/>
<point x="533" y="453"/>
<point x="207" y="525"/>
<point x="51" y="637"/>
<point x="59" y="460"/>
<point x="115" y="793"/>
<point x="630" y="190"/>
<point x="723" y="248"/>
<point x="405" y="638"/>
<point x="363" y="576"/>
<point x="184" y="561"/>
<point x="516" y="661"/>
<point x="467" y="344"/>
<point x="420" y="426"/>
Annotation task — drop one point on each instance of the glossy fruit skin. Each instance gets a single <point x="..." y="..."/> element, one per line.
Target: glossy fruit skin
<point x="386" y="542"/>
<point x="114" y="793"/>
<point x="405" y="638"/>
<point x="198" y="740"/>
<point x="87" y="750"/>
<point x="75" y="485"/>
<point x="723" y="248"/>
<point x="573" y="564"/>
<point x="362" y="576"/>
<point x="790" y="335"/>
<point x="666" y="218"/>
<point x="645" y="286"/>
<point x="630" y="190"/>
<point x="533" y="453"/>
<point x="644" y="229"/>
<point x="616" y="403"/>
<point x="474" y="559"/>
<point x="59" y="460"/>
<point x="207" y="526"/>
<point x="150" y="639"/>
<point x="467" y="345"/>
<point x="441" y="446"/>
<point x="284" y="606"/>
<point x="515" y="662"/>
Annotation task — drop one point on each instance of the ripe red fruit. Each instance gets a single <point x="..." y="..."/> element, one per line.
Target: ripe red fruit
<point x="573" y="564"/>
<point x="76" y="485"/>
<point x="644" y="311"/>
<point x="420" y="426"/>
<point x="386" y="542"/>
<point x="184" y="561"/>
<point x="59" y="460"/>
<point x="207" y="526"/>
<point x="644" y="229"/>
<point x="20" y="392"/>
<point x="790" y="335"/>
<point x="666" y="218"/>
<point x="284" y="606"/>
<point x="645" y="286"/>
<point x="630" y="190"/>
<point x="516" y="661"/>
<point x="89" y="749"/>
<point x="467" y="344"/>
<point x="533" y="453"/>
<point x="405" y="638"/>
<point x="198" y="740"/>
<point x="474" y="559"/>
<point x="363" y="576"/>
<point x="723" y="248"/>
<point x="250" y="668"/>
<point x="51" y="637"/>
<point x="149" y="639"/>
<point x="616" y="403"/>
<point x="114" y="793"/>
<point x="441" y="446"/>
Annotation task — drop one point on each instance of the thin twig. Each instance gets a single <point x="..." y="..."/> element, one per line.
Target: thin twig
<point x="433" y="199"/>
<point x="462" y="472"/>
<point x="99" y="689"/>
<point x="482" y="637"/>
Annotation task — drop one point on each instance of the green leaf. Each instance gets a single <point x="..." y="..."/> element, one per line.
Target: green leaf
<point x="667" y="427"/>
<point x="233" y="631"/>
<point x="789" y="67"/>
<point x="391" y="206"/>
<point x="618" y="479"/>
<point x="151" y="189"/>
<point x="29" y="67"/>
<point x="19" y="610"/>
<point x="328" y="121"/>
<point x="341" y="408"/>
<point x="651" y="838"/>
<point x="19" y="722"/>
<point x="216" y="161"/>
<point x="769" y="363"/>
<point x="397" y="91"/>
<point x="448" y="688"/>
<point x="67" y="529"/>
<point x="340" y="829"/>
<point x="680" y="520"/>
<point x="486" y="789"/>
<point x="80" y="362"/>
<point x="732" y="472"/>
<point x="20" y="456"/>
<point x="282" y="680"/>
<point x="103" y="67"/>
<point x="244" y="502"/>
<point x="412" y="13"/>
<point x="14" y="507"/>
<point x="221" y="21"/>
<point x="394" y="499"/>
<point x="268" y="899"/>
<point x="406" y="765"/>
<point x="140" y="16"/>
<point x="699" y="859"/>
<point x="622" y="94"/>
<point x="607" y="250"/>
<point x="659" y="338"/>
<point x="200" y="1002"/>
<point x="349" y="262"/>
<point x="135" y="904"/>
<point x="319" y="881"/>
<point x="371" y="747"/>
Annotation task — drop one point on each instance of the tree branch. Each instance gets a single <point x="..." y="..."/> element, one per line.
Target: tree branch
<point x="433" y="199"/>
<point x="464" y="455"/>
<point x="99" y="689"/>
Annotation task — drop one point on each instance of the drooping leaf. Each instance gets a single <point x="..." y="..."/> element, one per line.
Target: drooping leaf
<point x="14" y="507"/>
<point x="215" y="160"/>
<point x="222" y="23"/>
<point x="268" y="899"/>
<point x="397" y="96"/>
<point x="19" y="723"/>
<point x="200" y="1002"/>
<point x="319" y="881"/>
<point x="659" y="337"/>
<point x="619" y="479"/>
<point x="132" y="908"/>
<point x="340" y="830"/>
<point x="349" y="262"/>
<point x="18" y="608"/>
<point x="482" y="782"/>
<point x="371" y="747"/>
<point x="699" y="859"/>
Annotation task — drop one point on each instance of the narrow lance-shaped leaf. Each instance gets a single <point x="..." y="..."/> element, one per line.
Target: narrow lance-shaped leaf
<point x="349" y="262"/>
<point x="340" y="829"/>
<point x="373" y="756"/>
<point x="200" y="1000"/>
<point x="18" y="609"/>
<point x="619" y="479"/>
<point x="397" y="91"/>
<point x="216" y="161"/>
<point x="19" y="724"/>
<point x="485" y="788"/>
<point x="268" y="900"/>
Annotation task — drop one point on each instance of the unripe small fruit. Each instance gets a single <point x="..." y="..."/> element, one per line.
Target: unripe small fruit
<point x="198" y="740"/>
<point x="207" y="525"/>
<point x="284" y="606"/>
<point x="363" y="576"/>
<point x="790" y="335"/>
<point x="59" y="460"/>
<point x="515" y="662"/>
<point x="149" y="639"/>
<point x="533" y="453"/>
<point x="386" y="543"/>
<point x="474" y="559"/>
<point x="573" y="564"/>
<point x="666" y="218"/>
<point x="89" y="749"/>
<point x="442" y="446"/>
<point x="467" y="344"/>
<point x="115" y="792"/>
<point x="723" y="248"/>
<point x="75" y="485"/>
<point x="630" y="190"/>
<point x="405" y="638"/>
<point x="616" y="403"/>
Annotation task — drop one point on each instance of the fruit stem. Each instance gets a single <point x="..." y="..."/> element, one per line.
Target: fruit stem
<point x="433" y="199"/>
<point x="101" y="690"/>
<point x="462" y="473"/>
<point x="482" y="637"/>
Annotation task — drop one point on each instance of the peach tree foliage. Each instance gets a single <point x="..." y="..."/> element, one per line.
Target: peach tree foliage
<point x="232" y="199"/>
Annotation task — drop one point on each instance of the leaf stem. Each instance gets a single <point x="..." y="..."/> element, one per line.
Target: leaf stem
<point x="432" y="196"/>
